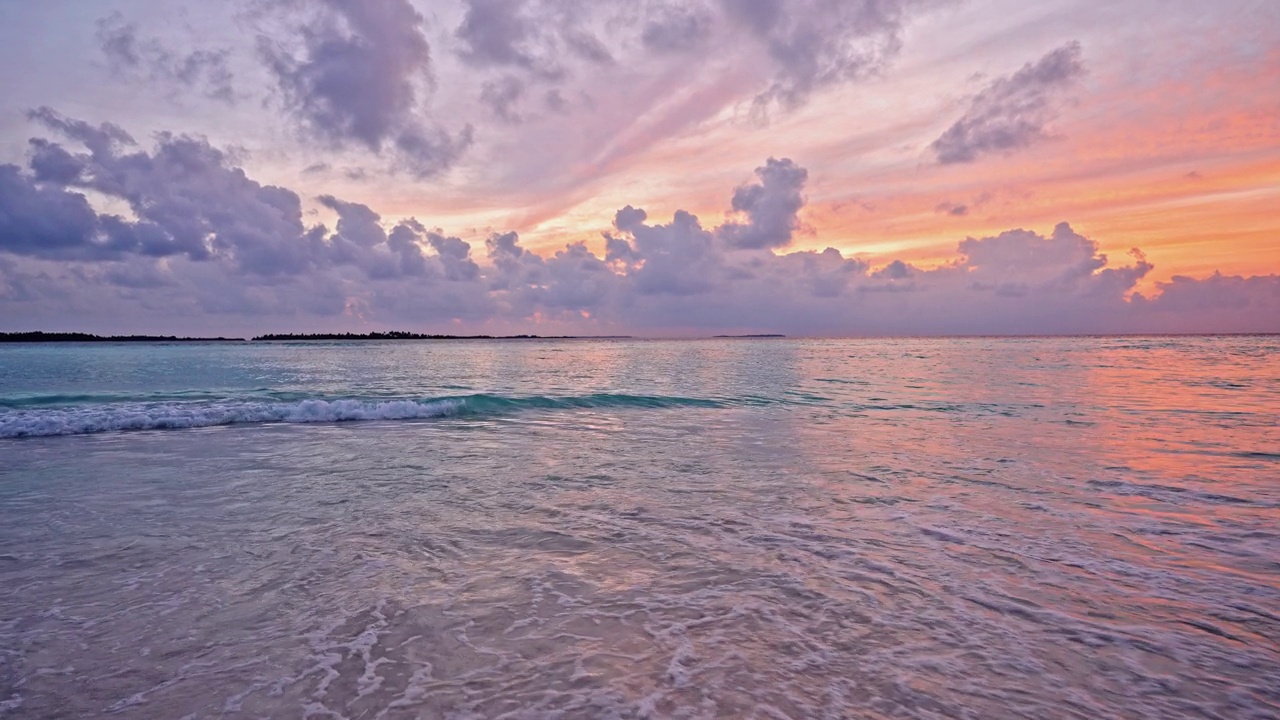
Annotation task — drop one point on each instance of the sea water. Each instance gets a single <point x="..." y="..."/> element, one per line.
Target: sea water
<point x="755" y="528"/>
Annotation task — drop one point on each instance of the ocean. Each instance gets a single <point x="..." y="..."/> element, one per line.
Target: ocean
<point x="1073" y="527"/>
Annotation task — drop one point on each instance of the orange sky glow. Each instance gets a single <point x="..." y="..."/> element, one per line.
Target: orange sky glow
<point x="892" y="132"/>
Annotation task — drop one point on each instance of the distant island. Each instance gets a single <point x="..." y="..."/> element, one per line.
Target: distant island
<point x="45" y="337"/>
<point x="38" y="336"/>
<point x="401" y="335"/>
<point x="757" y="335"/>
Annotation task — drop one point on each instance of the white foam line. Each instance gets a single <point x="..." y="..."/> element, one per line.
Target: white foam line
<point x="82" y="420"/>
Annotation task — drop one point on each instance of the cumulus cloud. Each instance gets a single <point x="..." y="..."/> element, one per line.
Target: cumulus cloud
<point x="522" y="283"/>
<point x="1013" y="111"/>
<point x="361" y="241"/>
<point x="206" y="71"/>
<point x="454" y="256"/>
<point x="1218" y="303"/>
<point x="530" y="35"/>
<point x="189" y="200"/>
<point x="770" y="206"/>
<point x="187" y="197"/>
<point x="205" y="240"/>
<point x="48" y="221"/>
<point x="678" y="258"/>
<point x="361" y="76"/>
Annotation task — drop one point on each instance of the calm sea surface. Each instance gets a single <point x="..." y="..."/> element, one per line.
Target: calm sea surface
<point x="956" y="528"/>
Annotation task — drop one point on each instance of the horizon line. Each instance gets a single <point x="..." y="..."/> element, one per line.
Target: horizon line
<point x="70" y="336"/>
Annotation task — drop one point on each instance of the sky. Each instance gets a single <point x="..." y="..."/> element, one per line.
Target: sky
<point x="647" y="167"/>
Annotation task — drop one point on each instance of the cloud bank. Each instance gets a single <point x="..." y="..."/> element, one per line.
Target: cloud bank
<point x="193" y="236"/>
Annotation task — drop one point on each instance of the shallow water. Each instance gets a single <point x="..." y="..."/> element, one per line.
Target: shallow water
<point x="967" y="528"/>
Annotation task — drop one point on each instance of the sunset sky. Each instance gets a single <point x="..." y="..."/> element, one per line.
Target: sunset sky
<point x="666" y="167"/>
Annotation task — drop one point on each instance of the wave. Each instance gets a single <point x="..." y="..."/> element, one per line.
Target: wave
<point x="81" y="420"/>
<point x="43" y="400"/>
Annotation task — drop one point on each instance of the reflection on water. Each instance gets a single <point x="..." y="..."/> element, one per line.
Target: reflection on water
<point x="986" y="528"/>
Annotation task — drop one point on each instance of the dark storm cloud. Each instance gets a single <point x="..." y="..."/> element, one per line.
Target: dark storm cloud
<point x="770" y="206"/>
<point x="206" y="71"/>
<point x="361" y="76"/>
<point x="1013" y="111"/>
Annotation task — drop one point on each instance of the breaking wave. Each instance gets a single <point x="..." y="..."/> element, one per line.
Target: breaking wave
<point x="84" y="419"/>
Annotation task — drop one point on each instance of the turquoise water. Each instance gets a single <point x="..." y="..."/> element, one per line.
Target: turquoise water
<point x="985" y="527"/>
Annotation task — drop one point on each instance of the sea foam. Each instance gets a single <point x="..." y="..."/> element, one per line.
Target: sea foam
<point x="84" y="419"/>
<point x="159" y="416"/>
